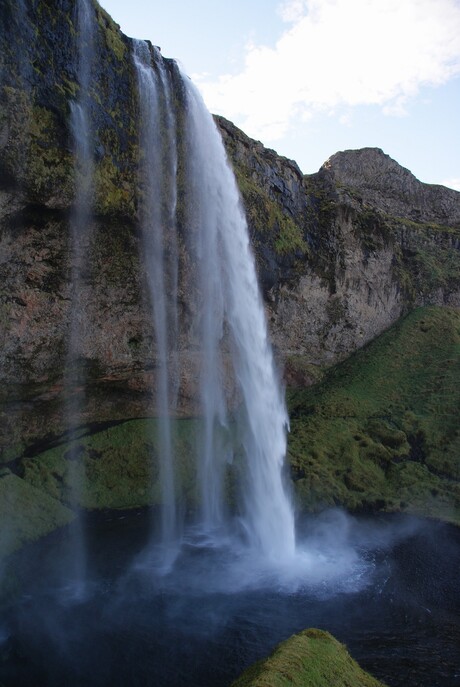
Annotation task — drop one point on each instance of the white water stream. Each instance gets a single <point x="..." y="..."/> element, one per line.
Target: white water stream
<point x="233" y="298"/>
<point x="229" y="302"/>
<point x="80" y="222"/>
<point x="158" y="205"/>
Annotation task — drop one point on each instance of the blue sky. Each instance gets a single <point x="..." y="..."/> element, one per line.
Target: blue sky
<point x="311" y="77"/>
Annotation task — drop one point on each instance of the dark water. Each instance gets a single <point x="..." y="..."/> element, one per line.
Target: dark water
<point x="387" y="588"/>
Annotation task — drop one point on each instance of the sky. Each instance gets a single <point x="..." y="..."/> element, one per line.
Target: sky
<point x="311" y="77"/>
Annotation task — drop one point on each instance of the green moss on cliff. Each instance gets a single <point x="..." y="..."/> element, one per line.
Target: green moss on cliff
<point x="111" y="32"/>
<point x="116" y="121"/>
<point x="68" y="88"/>
<point x="381" y="430"/>
<point x="35" y="112"/>
<point x="267" y="217"/>
<point x="425" y="255"/>
<point x="114" y="190"/>
<point x="289" y="238"/>
<point x="312" y="658"/>
<point x="35" y="154"/>
<point x="50" y="165"/>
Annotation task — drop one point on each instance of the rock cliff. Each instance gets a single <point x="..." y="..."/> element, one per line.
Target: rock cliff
<point x="345" y="252"/>
<point x="377" y="181"/>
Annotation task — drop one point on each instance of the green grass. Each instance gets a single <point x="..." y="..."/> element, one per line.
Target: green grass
<point x="312" y="658"/>
<point x="26" y="513"/>
<point x="381" y="430"/>
<point x="118" y="467"/>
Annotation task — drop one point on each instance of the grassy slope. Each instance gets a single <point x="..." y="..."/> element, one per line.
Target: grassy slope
<point x="117" y="467"/>
<point x="26" y="513"/>
<point x="382" y="429"/>
<point x="312" y="658"/>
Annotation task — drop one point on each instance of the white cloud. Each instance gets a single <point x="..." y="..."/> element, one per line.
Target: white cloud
<point x="346" y="119"/>
<point x="452" y="183"/>
<point x="340" y="53"/>
<point x="292" y="10"/>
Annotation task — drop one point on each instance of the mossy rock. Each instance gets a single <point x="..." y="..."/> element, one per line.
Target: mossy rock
<point x="380" y="431"/>
<point x="36" y="152"/>
<point x="268" y="217"/>
<point x="41" y="85"/>
<point x="26" y="513"/>
<point x="312" y="658"/>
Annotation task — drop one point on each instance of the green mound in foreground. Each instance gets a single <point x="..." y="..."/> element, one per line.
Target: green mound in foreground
<point x="312" y="658"/>
<point x="381" y="431"/>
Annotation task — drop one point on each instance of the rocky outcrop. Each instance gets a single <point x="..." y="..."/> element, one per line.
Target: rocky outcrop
<point x="345" y="252"/>
<point x="373" y="179"/>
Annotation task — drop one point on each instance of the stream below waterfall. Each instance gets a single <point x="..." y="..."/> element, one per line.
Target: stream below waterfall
<point x="387" y="587"/>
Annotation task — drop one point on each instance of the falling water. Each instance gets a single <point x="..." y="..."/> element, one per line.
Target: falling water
<point x="158" y="207"/>
<point x="23" y="27"/>
<point x="74" y="379"/>
<point x="231" y="291"/>
<point x="228" y="302"/>
<point x="203" y="224"/>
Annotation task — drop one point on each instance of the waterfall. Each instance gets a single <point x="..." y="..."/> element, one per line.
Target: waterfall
<point x="230" y="320"/>
<point x="203" y="221"/>
<point x="158" y="170"/>
<point x="74" y="375"/>
<point x="81" y="211"/>
<point x="231" y="295"/>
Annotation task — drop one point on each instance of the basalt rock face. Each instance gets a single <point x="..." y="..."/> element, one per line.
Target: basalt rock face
<point x="39" y="83"/>
<point x="345" y="252"/>
<point x="381" y="183"/>
<point x="39" y="86"/>
<point x="341" y="254"/>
